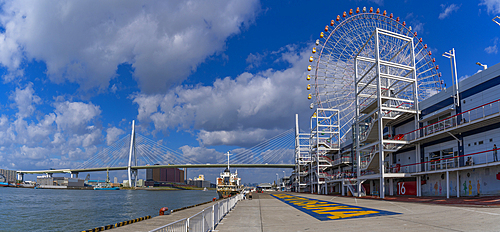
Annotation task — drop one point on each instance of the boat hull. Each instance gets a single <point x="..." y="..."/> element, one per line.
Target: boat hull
<point x="112" y="188"/>
<point x="226" y="193"/>
<point x="4" y="184"/>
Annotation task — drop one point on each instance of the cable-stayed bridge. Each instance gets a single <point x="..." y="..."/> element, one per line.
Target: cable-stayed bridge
<point x="135" y="151"/>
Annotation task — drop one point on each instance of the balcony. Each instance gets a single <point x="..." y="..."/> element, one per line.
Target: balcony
<point x="474" y="118"/>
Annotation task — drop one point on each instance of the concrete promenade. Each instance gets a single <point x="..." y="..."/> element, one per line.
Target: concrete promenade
<point x="158" y="221"/>
<point x="266" y="213"/>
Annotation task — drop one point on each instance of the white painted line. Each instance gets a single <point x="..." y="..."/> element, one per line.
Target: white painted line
<point x="333" y="198"/>
<point x="400" y="206"/>
<point x="471" y="210"/>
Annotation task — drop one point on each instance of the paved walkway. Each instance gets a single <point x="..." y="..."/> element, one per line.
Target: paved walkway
<point x="487" y="201"/>
<point x="158" y="221"/>
<point x="301" y="212"/>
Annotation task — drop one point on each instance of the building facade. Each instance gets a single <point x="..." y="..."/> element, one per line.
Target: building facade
<point x="443" y="146"/>
<point x="10" y="175"/>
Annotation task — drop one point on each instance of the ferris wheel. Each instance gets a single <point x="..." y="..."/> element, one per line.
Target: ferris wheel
<point x="333" y="61"/>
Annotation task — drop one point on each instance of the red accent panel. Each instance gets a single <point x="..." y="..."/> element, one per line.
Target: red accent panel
<point x="407" y="188"/>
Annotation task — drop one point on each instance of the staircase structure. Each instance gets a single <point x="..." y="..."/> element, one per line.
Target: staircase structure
<point x="324" y="143"/>
<point x="302" y="159"/>
<point x="386" y="94"/>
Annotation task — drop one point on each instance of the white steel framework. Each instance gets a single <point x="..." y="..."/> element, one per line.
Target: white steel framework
<point x="302" y="158"/>
<point x="324" y="143"/>
<point x="342" y="53"/>
<point x="386" y="89"/>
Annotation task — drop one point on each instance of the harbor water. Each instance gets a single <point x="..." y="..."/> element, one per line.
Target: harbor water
<point x="76" y="210"/>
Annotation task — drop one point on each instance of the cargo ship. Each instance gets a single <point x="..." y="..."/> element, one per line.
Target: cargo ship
<point x="228" y="184"/>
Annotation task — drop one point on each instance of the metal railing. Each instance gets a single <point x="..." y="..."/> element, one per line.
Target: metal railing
<point x="205" y="220"/>
<point x="463" y="118"/>
<point x="451" y="162"/>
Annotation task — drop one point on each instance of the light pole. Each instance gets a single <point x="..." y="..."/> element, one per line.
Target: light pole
<point x="283" y="184"/>
<point x="451" y="55"/>
<point x="276" y="179"/>
<point x="496" y="20"/>
<point x="483" y="65"/>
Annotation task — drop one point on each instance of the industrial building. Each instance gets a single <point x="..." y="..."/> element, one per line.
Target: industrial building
<point x="157" y="176"/>
<point x="10" y="175"/>
<point x="48" y="181"/>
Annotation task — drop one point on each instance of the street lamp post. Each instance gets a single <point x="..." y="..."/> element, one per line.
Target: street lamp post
<point x="276" y="179"/>
<point x="451" y="55"/>
<point x="283" y="184"/>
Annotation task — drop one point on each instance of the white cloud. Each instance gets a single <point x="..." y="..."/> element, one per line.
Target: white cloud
<point x="58" y="138"/>
<point x="463" y="78"/>
<point x="254" y="60"/>
<point x="492" y="6"/>
<point x="236" y="137"/>
<point x="251" y="104"/>
<point x="493" y="48"/>
<point x="379" y="2"/>
<point x="201" y="154"/>
<point x="112" y="135"/>
<point x="84" y="41"/>
<point x="74" y="115"/>
<point x="25" y="100"/>
<point x="447" y="10"/>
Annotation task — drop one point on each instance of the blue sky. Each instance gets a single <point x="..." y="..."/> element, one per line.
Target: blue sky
<point x="203" y="77"/>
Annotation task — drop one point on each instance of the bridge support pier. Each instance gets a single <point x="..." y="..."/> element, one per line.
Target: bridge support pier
<point x="132" y="173"/>
<point x="74" y="175"/>
<point x="20" y="176"/>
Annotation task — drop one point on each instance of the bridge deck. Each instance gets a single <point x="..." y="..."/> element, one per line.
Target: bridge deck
<point x="160" y="166"/>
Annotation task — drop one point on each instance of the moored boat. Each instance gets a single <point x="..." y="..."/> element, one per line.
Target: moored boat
<point x="228" y="184"/>
<point x="107" y="185"/>
<point x="3" y="181"/>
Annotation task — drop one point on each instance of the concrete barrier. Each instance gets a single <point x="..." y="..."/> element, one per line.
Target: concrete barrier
<point x="108" y="227"/>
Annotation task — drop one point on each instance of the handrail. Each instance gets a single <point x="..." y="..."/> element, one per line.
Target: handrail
<point x="454" y="157"/>
<point x="222" y="208"/>
<point x="453" y="116"/>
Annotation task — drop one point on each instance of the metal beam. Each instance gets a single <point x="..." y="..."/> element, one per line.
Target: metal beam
<point x="161" y="166"/>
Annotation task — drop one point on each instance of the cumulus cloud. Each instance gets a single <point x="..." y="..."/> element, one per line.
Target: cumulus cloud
<point x="492" y="6"/>
<point x="201" y="154"/>
<point x="252" y="105"/>
<point x="246" y="137"/>
<point x="60" y="138"/>
<point x="25" y="101"/>
<point x="112" y="135"/>
<point x="74" y="115"/>
<point x="447" y="10"/>
<point x="83" y="42"/>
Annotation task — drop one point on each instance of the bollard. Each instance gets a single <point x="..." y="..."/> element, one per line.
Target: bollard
<point x="163" y="210"/>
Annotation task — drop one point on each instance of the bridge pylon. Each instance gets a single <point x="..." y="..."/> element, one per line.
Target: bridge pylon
<point x="132" y="160"/>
